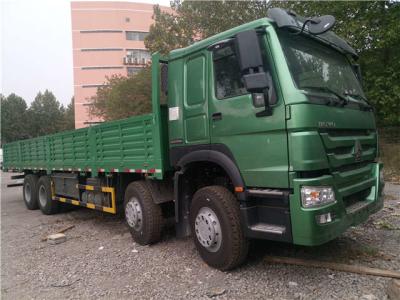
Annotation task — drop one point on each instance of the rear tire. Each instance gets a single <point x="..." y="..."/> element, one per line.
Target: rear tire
<point x="47" y="205"/>
<point x="29" y="191"/>
<point x="142" y="215"/>
<point x="216" y="228"/>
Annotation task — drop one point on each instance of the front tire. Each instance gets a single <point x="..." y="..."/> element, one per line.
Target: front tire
<point x="216" y="228"/>
<point x="47" y="205"/>
<point x="142" y="215"/>
<point x="30" y="191"/>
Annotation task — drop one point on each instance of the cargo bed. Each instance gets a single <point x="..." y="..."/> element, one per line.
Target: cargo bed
<point x="128" y="145"/>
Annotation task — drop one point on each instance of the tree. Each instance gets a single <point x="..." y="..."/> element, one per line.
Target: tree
<point x="68" y="120"/>
<point x="122" y="97"/>
<point x="13" y="118"/>
<point x="193" y="20"/>
<point x="45" y="114"/>
<point x="371" y="27"/>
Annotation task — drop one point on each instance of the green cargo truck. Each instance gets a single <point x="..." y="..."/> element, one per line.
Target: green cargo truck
<point x="264" y="133"/>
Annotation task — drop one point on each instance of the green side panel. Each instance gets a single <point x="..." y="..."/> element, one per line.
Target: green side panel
<point x="69" y="150"/>
<point x="123" y="144"/>
<point x="11" y="155"/>
<point x="126" y="144"/>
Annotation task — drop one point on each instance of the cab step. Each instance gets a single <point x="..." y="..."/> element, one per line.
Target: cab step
<point x="268" y="228"/>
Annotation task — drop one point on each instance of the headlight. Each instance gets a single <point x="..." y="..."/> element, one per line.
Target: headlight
<point x="313" y="196"/>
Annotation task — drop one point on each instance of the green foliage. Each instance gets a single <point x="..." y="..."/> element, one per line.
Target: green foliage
<point x="68" y="122"/>
<point x="13" y="118"/>
<point x="123" y="97"/>
<point x="371" y="27"/>
<point x="44" y="116"/>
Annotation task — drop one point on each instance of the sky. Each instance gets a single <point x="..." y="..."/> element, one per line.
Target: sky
<point x="36" y="47"/>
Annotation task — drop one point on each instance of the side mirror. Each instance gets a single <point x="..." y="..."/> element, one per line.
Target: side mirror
<point x="251" y="66"/>
<point x="250" y="61"/>
<point x="321" y="24"/>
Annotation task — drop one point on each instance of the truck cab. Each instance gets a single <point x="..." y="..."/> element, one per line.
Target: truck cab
<point x="298" y="150"/>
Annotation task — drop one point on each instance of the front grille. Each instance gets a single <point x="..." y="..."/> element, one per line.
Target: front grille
<point x="348" y="147"/>
<point x="350" y="155"/>
<point x="356" y="197"/>
<point x="349" y="132"/>
<point x="352" y="166"/>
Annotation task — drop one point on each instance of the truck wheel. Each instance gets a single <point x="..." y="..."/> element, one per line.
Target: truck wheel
<point x="46" y="204"/>
<point x="30" y="191"/>
<point x="143" y="216"/>
<point x="216" y="228"/>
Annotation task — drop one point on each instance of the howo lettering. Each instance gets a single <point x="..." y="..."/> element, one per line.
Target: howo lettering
<point x="259" y="132"/>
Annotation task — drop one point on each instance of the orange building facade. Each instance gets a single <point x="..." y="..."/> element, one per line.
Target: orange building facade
<point x="107" y="39"/>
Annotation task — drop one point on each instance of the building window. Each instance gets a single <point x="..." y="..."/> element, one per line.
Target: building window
<point x="100" y="31"/>
<point x="101" y="67"/>
<point x="127" y="20"/>
<point x="133" y="70"/>
<point x="138" y="54"/>
<point x="136" y="35"/>
<point x="92" y="122"/>
<point x="101" y="49"/>
<point x="93" y="85"/>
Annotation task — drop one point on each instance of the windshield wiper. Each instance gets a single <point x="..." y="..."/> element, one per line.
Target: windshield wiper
<point x="366" y="106"/>
<point x="325" y="89"/>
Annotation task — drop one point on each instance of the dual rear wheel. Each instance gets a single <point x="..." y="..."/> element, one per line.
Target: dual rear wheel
<point x="37" y="194"/>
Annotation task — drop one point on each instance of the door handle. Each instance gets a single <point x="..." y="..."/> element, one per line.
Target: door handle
<point x="216" y="116"/>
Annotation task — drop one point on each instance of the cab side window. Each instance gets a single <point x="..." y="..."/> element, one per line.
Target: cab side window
<point x="228" y="81"/>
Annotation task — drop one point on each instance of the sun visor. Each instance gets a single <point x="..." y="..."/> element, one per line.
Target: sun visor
<point x="291" y="21"/>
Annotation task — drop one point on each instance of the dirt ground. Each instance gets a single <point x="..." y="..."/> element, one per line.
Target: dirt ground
<point x="100" y="260"/>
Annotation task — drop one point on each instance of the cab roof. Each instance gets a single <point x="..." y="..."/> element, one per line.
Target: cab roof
<point x="329" y="38"/>
<point x="178" y="53"/>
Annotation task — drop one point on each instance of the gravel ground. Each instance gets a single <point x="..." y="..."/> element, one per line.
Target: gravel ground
<point x="100" y="260"/>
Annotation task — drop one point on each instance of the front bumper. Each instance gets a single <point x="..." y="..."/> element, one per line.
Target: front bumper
<point x="306" y="230"/>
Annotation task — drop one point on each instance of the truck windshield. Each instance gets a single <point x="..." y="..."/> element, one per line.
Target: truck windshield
<point x="317" y="67"/>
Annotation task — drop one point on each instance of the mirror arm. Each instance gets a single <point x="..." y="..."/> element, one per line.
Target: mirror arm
<point x="268" y="109"/>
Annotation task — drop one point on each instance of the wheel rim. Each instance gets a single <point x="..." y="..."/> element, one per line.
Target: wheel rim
<point x="42" y="196"/>
<point x="133" y="214"/>
<point x="208" y="229"/>
<point x="28" y="192"/>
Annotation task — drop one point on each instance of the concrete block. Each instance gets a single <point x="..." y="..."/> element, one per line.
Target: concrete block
<point x="57" y="238"/>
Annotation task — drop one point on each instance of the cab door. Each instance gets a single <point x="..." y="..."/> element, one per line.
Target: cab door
<point x="195" y="104"/>
<point x="257" y="143"/>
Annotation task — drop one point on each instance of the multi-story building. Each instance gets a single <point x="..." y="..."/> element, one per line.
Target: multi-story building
<point x="107" y="38"/>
